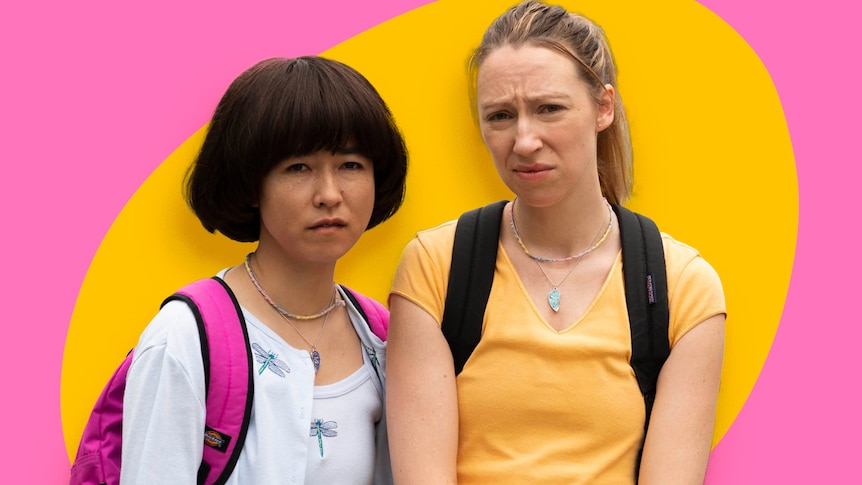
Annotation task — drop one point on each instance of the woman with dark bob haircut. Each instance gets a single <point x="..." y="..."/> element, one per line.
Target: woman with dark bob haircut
<point x="302" y="156"/>
<point x="284" y="108"/>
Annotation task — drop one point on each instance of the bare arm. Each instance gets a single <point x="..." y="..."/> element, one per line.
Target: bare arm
<point x="421" y="398"/>
<point x="683" y="417"/>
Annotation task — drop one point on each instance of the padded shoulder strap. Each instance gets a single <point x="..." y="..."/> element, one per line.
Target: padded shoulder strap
<point x="228" y="370"/>
<point x="471" y="274"/>
<point x="645" y="277"/>
<point x="371" y="310"/>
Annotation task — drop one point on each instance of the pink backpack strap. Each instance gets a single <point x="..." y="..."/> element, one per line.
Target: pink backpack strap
<point x="227" y="367"/>
<point x="374" y="312"/>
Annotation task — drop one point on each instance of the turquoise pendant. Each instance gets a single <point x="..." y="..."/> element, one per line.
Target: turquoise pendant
<point x="554" y="299"/>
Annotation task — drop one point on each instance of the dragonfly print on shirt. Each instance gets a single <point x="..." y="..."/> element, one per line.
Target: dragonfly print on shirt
<point x="322" y="428"/>
<point x="372" y="355"/>
<point x="269" y="360"/>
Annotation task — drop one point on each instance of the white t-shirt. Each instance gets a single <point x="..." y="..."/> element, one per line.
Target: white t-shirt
<point x="164" y="411"/>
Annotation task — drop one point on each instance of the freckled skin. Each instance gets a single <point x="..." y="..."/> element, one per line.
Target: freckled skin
<point x="539" y="122"/>
<point x="315" y="208"/>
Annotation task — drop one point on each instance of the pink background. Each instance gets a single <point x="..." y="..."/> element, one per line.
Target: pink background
<point x="97" y="94"/>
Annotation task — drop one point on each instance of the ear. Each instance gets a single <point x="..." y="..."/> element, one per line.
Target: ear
<point x="605" y="113"/>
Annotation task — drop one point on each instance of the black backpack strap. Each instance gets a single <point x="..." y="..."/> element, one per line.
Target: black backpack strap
<point x="471" y="273"/>
<point x="645" y="278"/>
<point x="355" y="302"/>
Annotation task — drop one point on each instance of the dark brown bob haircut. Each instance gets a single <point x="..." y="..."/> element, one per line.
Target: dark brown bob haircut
<point x="282" y="108"/>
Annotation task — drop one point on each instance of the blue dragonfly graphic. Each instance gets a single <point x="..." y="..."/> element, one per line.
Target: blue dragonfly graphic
<point x="269" y="360"/>
<point x="372" y="355"/>
<point x="322" y="428"/>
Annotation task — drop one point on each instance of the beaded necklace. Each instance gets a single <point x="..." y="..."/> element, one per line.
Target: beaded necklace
<point x="333" y="304"/>
<point x="554" y="296"/>
<point x="314" y="354"/>
<point x="568" y="258"/>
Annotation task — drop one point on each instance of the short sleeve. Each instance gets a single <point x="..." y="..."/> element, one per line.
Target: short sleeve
<point x="695" y="292"/>
<point x="423" y="271"/>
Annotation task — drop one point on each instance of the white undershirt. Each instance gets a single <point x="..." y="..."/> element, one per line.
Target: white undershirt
<point x="341" y="434"/>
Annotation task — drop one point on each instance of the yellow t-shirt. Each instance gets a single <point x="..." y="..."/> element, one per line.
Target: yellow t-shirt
<point x="538" y="405"/>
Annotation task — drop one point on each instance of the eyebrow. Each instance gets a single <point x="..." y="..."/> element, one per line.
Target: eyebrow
<point x="536" y="98"/>
<point x="549" y="97"/>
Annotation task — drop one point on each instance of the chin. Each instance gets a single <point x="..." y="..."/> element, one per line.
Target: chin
<point x="536" y="197"/>
<point x="326" y="254"/>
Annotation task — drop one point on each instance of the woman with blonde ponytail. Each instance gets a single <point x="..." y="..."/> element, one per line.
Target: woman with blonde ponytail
<point x="549" y="395"/>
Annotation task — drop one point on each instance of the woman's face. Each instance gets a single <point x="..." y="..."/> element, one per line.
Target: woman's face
<point x="314" y="208"/>
<point x="539" y="121"/>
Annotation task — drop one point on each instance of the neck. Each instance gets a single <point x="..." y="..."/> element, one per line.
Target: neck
<point x="300" y="289"/>
<point x="563" y="229"/>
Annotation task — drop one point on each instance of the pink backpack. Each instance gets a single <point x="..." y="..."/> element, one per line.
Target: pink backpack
<point x="229" y="388"/>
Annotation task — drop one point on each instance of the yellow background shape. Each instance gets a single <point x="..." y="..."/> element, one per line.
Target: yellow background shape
<point x="713" y="166"/>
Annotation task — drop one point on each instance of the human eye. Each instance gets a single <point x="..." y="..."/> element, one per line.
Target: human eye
<point x="353" y="160"/>
<point x="498" y="116"/>
<point x="353" y="165"/>
<point x="551" y="108"/>
<point x="296" y="167"/>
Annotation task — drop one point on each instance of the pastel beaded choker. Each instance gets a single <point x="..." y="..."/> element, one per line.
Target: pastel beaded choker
<point x="333" y="304"/>
<point x="568" y="258"/>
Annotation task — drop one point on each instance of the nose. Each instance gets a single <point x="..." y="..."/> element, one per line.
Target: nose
<point x="527" y="139"/>
<point x="327" y="191"/>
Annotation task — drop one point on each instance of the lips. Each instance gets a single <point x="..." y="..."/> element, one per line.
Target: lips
<point x="532" y="168"/>
<point x="328" y="223"/>
<point x="532" y="172"/>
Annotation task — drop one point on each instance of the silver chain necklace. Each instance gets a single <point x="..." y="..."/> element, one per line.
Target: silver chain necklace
<point x="554" y="296"/>
<point x="313" y="354"/>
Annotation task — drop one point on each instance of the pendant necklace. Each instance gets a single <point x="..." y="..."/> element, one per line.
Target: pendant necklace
<point x="313" y="354"/>
<point x="333" y="304"/>
<point x="554" y="295"/>
<point x="543" y="259"/>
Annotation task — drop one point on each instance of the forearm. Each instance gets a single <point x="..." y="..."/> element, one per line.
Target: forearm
<point x="678" y="442"/>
